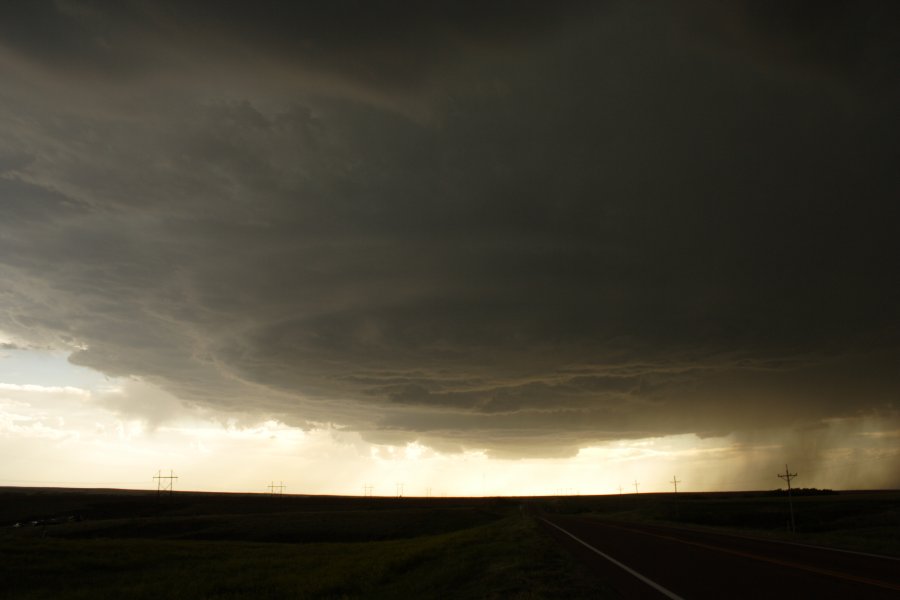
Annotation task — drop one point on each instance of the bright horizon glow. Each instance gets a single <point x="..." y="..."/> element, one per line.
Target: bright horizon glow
<point x="81" y="429"/>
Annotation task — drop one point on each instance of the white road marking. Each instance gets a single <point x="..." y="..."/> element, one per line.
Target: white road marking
<point x="649" y="582"/>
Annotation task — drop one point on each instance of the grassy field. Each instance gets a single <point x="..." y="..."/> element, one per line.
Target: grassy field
<point x="221" y="546"/>
<point x="861" y="521"/>
<point x="99" y="544"/>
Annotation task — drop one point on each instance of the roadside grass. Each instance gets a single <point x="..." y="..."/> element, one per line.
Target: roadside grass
<point x="509" y="558"/>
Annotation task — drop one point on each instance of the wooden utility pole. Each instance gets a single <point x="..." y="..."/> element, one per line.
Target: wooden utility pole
<point x="787" y="476"/>
<point x="169" y="479"/>
<point x="675" y="482"/>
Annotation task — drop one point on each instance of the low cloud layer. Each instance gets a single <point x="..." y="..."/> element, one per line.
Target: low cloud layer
<point x="520" y="232"/>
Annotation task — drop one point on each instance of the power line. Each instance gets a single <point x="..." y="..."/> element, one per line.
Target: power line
<point x="280" y="488"/>
<point x="675" y="481"/>
<point x="169" y="484"/>
<point x="787" y="476"/>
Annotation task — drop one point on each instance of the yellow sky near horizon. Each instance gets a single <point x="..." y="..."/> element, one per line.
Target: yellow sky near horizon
<point x="59" y="426"/>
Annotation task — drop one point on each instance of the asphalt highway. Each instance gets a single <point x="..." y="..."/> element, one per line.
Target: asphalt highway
<point x="650" y="561"/>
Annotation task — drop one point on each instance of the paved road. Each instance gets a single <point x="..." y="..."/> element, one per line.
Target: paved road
<point x="689" y="564"/>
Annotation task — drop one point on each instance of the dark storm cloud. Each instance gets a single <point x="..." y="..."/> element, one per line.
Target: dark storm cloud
<point x="376" y="45"/>
<point x="852" y="39"/>
<point x="621" y="222"/>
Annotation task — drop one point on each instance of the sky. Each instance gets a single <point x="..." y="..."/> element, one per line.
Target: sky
<point x="473" y="249"/>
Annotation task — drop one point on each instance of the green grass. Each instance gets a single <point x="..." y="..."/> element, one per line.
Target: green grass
<point x="508" y="558"/>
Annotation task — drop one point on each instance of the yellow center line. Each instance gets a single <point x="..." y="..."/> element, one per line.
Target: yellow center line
<point x="838" y="575"/>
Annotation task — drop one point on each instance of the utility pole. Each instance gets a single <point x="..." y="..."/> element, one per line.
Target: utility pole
<point x="620" y="490"/>
<point x="399" y="490"/>
<point x="169" y="482"/>
<point x="280" y="487"/>
<point x="636" y="484"/>
<point x="367" y="490"/>
<point x="787" y="476"/>
<point x="675" y="482"/>
<point x="428" y="492"/>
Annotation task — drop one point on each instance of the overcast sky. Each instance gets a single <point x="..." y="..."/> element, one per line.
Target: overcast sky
<point x="491" y="233"/>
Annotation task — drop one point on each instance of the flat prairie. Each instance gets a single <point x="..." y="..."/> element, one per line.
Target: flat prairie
<point x="57" y="543"/>
<point x="857" y="520"/>
<point x="64" y="543"/>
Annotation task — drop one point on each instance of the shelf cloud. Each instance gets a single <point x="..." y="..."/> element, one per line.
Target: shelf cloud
<point x="522" y="230"/>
